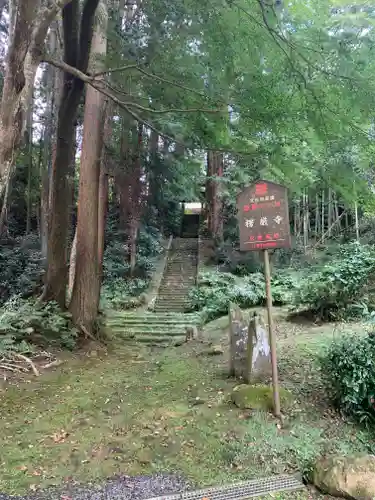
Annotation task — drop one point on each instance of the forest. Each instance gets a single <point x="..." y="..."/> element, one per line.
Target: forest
<point x="114" y="116"/>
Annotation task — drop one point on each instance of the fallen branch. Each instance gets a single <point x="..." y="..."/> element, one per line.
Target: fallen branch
<point x="28" y="361"/>
<point x="53" y="364"/>
<point x="4" y="363"/>
<point x="10" y="368"/>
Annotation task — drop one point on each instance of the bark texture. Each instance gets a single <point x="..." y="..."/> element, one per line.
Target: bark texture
<point x="86" y="289"/>
<point x="24" y="55"/>
<point x="77" y="45"/>
<point x="215" y="166"/>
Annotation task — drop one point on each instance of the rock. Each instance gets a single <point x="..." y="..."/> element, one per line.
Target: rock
<point x="348" y="477"/>
<point x="259" y="397"/>
<point x="215" y="350"/>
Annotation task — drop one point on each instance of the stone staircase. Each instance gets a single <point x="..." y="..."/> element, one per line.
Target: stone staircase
<point x="167" y="324"/>
<point x="156" y="329"/>
<point x="179" y="276"/>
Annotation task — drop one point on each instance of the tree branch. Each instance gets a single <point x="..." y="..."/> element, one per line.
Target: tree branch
<point x="115" y="70"/>
<point x="99" y="85"/>
<point x="170" y="82"/>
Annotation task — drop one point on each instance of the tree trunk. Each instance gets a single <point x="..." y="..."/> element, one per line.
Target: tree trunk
<point x="218" y="214"/>
<point x="103" y="191"/>
<point x="86" y="289"/>
<point x="4" y="212"/>
<point x="329" y="212"/>
<point x="298" y="218"/>
<point x="317" y="217"/>
<point x="337" y="215"/>
<point x="136" y="199"/>
<point x="102" y="209"/>
<point x="323" y="214"/>
<point x="29" y="150"/>
<point x="305" y="220"/>
<point x="72" y="268"/>
<point x="52" y="92"/>
<point x="76" y="53"/>
<point x="356" y="220"/>
<point x="210" y="193"/>
<point x="23" y="58"/>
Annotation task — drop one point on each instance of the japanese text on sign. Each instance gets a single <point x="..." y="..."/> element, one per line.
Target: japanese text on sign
<point x="263" y="216"/>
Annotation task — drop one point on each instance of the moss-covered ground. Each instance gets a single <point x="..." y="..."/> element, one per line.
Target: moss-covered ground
<point x="137" y="410"/>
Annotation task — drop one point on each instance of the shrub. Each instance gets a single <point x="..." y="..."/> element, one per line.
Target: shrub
<point x="21" y="268"/>
<point x="122" y="293"/>
<point x="216" y="290"/>
<point x="116" y="259"/>
<point x="339" y="289"/>
<point x="348" y="369"/>
<point x="26" y="323"/>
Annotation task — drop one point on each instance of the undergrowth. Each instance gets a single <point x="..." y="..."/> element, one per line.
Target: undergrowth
<point x="27" y="324"/>
<point x="216" y="290"/>
<point x="348" y="367"/>
<point x="20" y="267"/>
<point x="337" y="286"/>
<point x="120" y="289"/>
<point x="342" y="288"/>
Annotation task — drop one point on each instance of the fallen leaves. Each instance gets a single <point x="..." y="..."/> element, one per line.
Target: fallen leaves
<point x="60" y="437"/>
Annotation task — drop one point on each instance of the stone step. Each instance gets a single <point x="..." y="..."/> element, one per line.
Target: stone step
<point x="155" y="340"/>
<point x="169" y="307"/>
<point x="174" y="299"/>
<point x="180" y="272"/>
<point x="178" y="278"/>
<point x="147" y="316"/>
<point x="173" y="293"/>
<point x="161" y="318"/>
<point x="175" y="288"/>
<point x="134" y="322"/>
<point x="140" y="331"/>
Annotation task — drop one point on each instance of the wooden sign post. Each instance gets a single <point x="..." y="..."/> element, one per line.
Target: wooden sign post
<point x="263" y="215"/>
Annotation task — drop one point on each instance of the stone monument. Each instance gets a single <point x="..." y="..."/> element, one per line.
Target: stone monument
<point x="250" y="354"/>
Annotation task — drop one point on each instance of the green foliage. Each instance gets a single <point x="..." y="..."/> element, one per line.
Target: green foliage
<point x="216" y="290"/>
<point x="116" y="262"/>
<point x="20" y="268"/>
<point x="341" y="288"/>
<point x="120" y="290"/>
<point x="120" y="293"/>
<point x="348" y="368"/>
<point x="25" y="324"/>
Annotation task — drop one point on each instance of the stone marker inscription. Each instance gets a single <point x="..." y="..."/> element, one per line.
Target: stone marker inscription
<point x="263" y="216"/>
<point x="250" y="354"/>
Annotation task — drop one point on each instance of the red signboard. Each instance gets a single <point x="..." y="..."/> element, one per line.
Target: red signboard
<point x="263" y="215"/>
